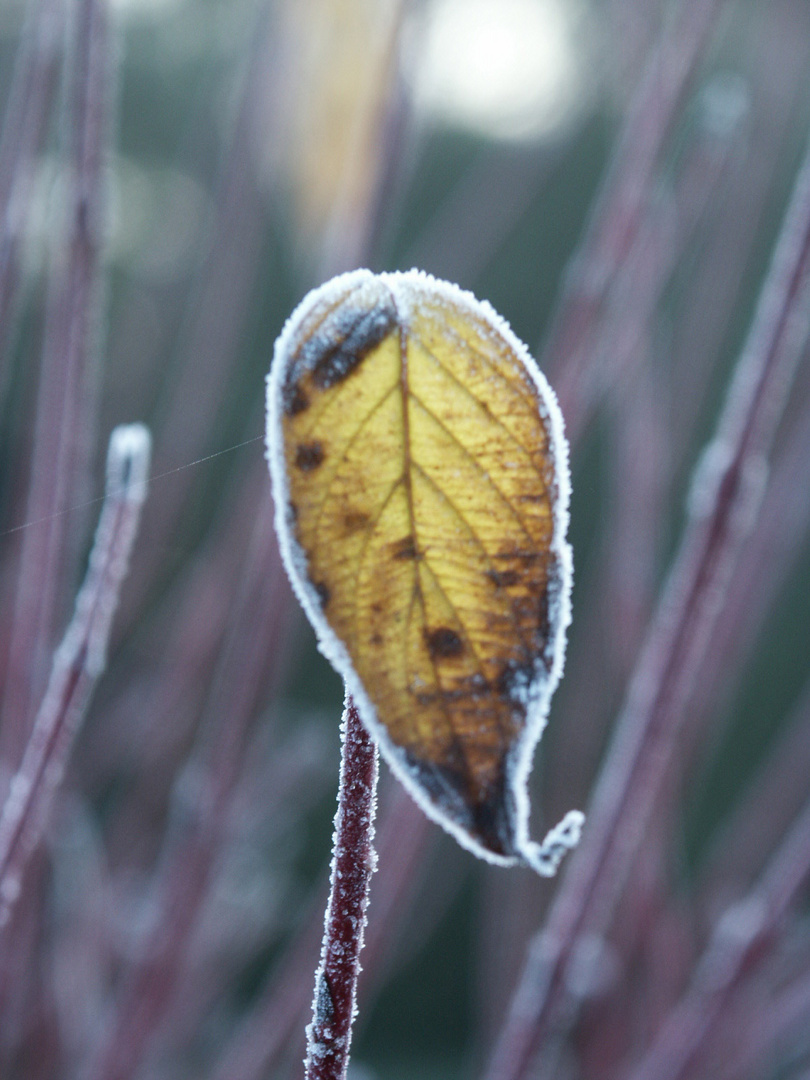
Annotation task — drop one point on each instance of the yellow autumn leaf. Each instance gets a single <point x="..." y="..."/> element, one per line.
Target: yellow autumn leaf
<point x="420" y="475"/>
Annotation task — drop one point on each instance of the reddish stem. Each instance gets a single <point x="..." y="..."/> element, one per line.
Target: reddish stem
<point x="647" y="731"/>
<point x="77" y="664"/>
<point x="334" y="1005"/>
<point x="622" y="200"/>
<point x="64" y="418"/>
<point x="198" y="830"/>
<point x="739" y="938"/>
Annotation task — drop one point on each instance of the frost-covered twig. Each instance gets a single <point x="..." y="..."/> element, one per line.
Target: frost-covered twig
<point x="78" y="663"/>
<point x="65" y="405"/>
<point x="724" y="499"/>
<point x="334" y="1005"/>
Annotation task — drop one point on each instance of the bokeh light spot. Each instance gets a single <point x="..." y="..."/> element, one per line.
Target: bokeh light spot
<point x="509" y="69"/>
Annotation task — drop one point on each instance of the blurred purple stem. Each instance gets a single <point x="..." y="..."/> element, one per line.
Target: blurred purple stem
<point x="724" y="499"/>
<point x="737" y="943"/>
<point x="77" y="665"/>
<point x="765" y="1026"/>
<point x="353" y="237"/>
<point x="216" y="313"/>
<point x="763" y="813"/>
<point x="63" y="422"/>
<point x="198" y="830"/>
<point x="623" y="198"/>
<point x="30" y="98"/>
<point x="154" y="717"/>
<point x="353" y="861"/>
<point x="265" y="1033"/>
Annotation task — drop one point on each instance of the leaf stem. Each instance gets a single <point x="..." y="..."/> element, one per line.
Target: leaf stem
<point x="353" y="858"/>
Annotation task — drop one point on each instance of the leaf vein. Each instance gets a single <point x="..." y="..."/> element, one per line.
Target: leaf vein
<point x="477" y="465"/>
<point x="479" y="542"/>
<point x="467" y="638"/>
<point x="500" y="375"/>
<point x="361" y="558"/>
<point x="369" y="415"/>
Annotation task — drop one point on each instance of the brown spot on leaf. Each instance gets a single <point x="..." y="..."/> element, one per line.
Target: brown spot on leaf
<point x="443" y="643"/>
<point x="405" y="549"/>
<point x="472" y="689"/>
<point x="322" y="590"/>
<point x="519" y="555"/>
<point x="486" y="812"/>
<point x="343" y="341"/>
<point x="295" y="400"/>
<point x="355" y="520"/>
<point x="502" y="579"/>
<point x="309" y="456"/>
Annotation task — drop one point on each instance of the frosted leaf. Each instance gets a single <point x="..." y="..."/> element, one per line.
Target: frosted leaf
<point x="420" y="474"/>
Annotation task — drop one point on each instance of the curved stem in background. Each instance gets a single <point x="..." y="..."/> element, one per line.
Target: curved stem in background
<point x="267" y="1032"/>
<point x="353" y="858"/>
<point x="721" y="512"/>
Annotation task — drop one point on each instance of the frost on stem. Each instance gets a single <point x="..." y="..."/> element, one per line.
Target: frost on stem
<point x="334" y="1003"/>
<point x="78" y="662"/>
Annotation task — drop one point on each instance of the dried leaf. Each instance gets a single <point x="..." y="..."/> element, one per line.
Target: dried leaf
<point x="421" y="483"/>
